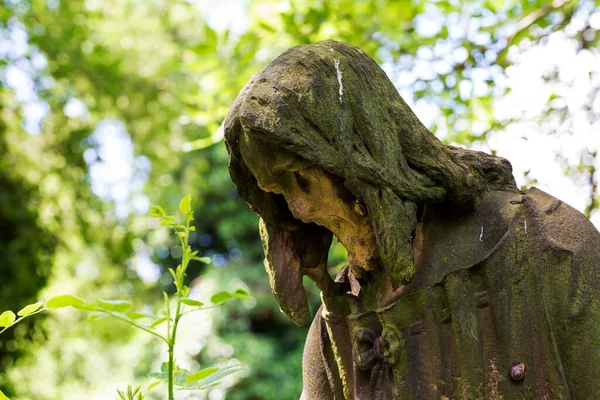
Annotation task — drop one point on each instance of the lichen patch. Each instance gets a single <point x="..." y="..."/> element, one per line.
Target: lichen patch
<point x="339" y="78"/>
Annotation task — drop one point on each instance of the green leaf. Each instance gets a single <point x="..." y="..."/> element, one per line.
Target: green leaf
<point x="153" y="385"/>
<point x="139" y="315"/>
<point x="185" y="291"/>
<point x="114" y="305"/>
<point x="66" y="300"/>
<point x="172" y="272"/>
<point x="220" y="297"/>
<point x="30" y="309"/>
<point x="158" y="322"/>
<point x="167" y="303"/>
<point x="241" y="294"/>
<point x="185" y="205"/>
<point x="224" y="296"/>
<point x="192" y="303"/>
<point x="96" y="315"/>
<point x="203" y="373"/>
<point x="163" y="375"/>
<point x="157" y="211"/>
<point x="121" y="395"/>
<point x="215" y="377"/>
<point x="7" y="318"/>
<point x="167" y="220"/>
<point x="119" y="315"/>
<point x="205" y="260"/>
<point x="3" y="396"/>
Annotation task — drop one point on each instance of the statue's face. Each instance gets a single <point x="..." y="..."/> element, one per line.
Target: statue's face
<point x="313" y="195"/>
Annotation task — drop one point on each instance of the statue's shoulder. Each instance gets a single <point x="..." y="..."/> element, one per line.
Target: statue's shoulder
<point x="448" y="241"/>
<point x="557" y="223"/>
<point x="532" y="219"/>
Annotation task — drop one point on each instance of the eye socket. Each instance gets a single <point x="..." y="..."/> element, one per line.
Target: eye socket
<point x="360" y="208"/>
<point x="303" y="183"/>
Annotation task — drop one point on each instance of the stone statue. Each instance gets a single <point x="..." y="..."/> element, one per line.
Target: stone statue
<point x="458" y="285"/>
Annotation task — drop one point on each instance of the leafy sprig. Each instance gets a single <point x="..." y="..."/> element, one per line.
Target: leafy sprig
<point x="9" y="319"/>
<point x="174" y="309"/>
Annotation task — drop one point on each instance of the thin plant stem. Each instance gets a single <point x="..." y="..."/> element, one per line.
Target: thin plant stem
<point x="172" y="350"/>
<point x="171" y="363"/>
<point x="161" y="337"/>
<point x="179" y="283"/>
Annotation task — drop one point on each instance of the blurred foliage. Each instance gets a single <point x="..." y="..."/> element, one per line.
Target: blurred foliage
<point x="108" y="106"/>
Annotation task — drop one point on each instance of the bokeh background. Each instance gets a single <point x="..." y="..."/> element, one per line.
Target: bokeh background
<point x="109" y="106"/>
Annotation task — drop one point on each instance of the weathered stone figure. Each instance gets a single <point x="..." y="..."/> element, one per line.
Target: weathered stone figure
<point x="458" y="286"/>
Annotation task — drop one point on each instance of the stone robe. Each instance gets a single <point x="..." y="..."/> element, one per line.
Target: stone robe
<point x="516" y="281"/>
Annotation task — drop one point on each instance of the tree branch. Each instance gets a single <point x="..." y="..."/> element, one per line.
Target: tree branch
<point x="531" y="18"/>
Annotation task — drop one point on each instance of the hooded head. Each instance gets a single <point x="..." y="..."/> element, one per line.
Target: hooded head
<point x="320" y="142"/>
